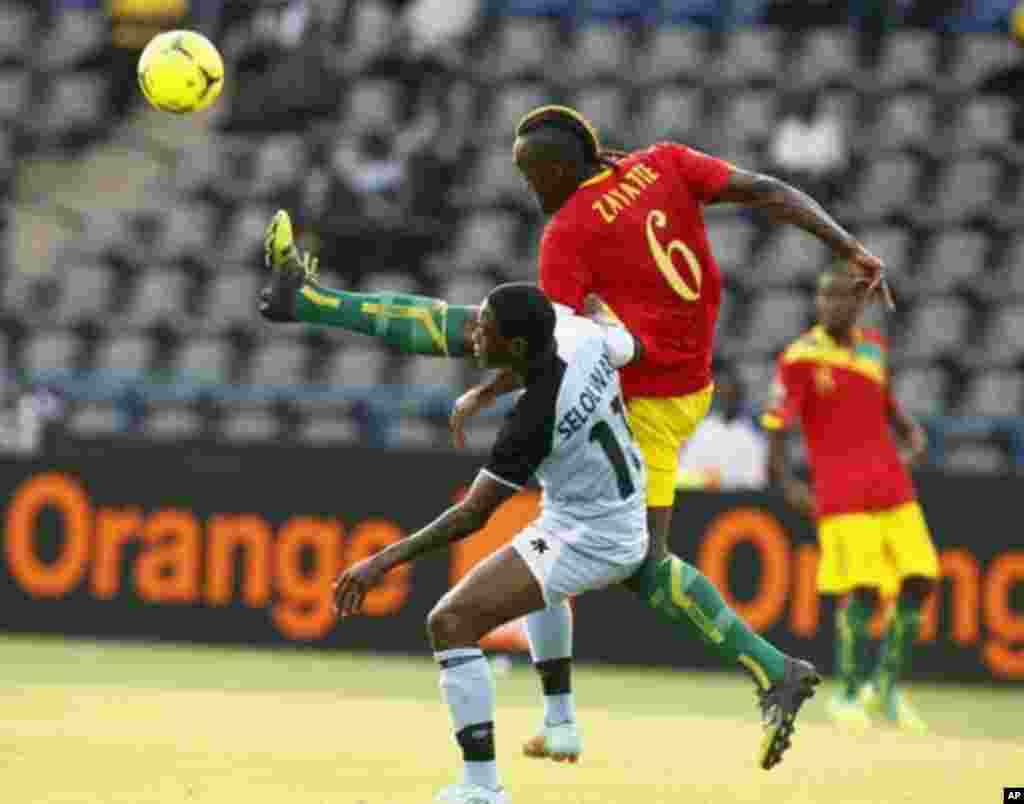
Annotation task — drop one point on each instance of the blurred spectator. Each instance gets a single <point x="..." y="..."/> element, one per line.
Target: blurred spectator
<point x="809" y="147"/>
<point x="29" y="419"/>
<point x="728" y="451"/>
<point x="1009" y="80"/>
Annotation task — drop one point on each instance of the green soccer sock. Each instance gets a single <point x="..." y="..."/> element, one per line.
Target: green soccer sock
<point x="415" y="325"/>
<point x="684" y="597"/>
<point x="897" y="645"/>
<point x="853" y="644"/>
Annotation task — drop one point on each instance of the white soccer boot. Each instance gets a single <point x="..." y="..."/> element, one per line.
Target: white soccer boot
<point x="472" y="794"/>
<point x="561" y="742"/>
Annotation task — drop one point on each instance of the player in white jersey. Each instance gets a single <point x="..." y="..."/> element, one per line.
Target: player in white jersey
<point x="568" y="430"/>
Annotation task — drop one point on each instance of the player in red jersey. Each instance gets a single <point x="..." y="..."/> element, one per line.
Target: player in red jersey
<point x="626" y="228"/>
<point x="833" y="382"/>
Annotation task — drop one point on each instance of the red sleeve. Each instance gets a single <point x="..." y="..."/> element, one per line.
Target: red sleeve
<point x="706" y="175"/>
<point x="563" y="274"/>
<point x="787" y="399"/>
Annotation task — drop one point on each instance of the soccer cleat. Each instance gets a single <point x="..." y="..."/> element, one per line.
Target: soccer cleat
<point x="779" y="707"/>
<point x="848" y="713"/>
<point x="472" y="794"/>
<point x="561" y="743"/>
<point x="896" y="709"/>
<point x="289" y="268"/>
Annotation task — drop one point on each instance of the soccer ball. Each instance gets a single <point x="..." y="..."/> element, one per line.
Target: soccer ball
<point x="181" y="72"/>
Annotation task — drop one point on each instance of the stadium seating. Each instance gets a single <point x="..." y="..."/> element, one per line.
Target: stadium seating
<point x="934" y="187"/>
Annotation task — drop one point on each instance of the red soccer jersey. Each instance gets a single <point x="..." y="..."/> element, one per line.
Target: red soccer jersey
<point x="840" y="398"/>
<point x="635" y="236"/>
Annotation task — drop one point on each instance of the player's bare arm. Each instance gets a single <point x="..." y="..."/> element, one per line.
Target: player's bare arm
<point x="478" y="398"/>
<point x="784" y="203"/>
<point x="909" y="432"/>
<point x="797" y="493"/>
<point x="458" y="522"/>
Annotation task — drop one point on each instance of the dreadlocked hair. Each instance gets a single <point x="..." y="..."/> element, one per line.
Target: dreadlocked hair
<point x="572" y="121"/>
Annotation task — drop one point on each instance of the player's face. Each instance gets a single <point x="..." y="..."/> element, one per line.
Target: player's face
<point x="839" y="301"/>
<point x="489" y="347"/>
<point x="543" y="178"/>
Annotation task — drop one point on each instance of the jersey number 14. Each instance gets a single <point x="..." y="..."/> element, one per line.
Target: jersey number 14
<point x="605" y="438"/>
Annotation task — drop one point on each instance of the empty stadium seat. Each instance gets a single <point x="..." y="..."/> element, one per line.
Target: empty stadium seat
<point x="329" y="429"/>
<point x="16" y="39"/>
<point x="50" y="352"/>
<point x="510" y="106"/>
<point x="252" y="423"/>
<point x="281" y="163"/>
<point x="827" y="54"/>
<point x="433" y="373"/>
<point x="776" y="318"/>
<point x="495" y="178"/>
<point x="936" y="327"/>
<point x="390" y="283"/>
<point x="669" y="113"/>
<point x="983" y="122"/>
<point x="1003" y="341"/>
<point x="952" y="258"/>
<point x="15" y="94"/>
<point x="605" y="105"/>
<point x="125" y="356"/>
<point x="159" y="294"/>
<point x="892" y="244"/>
<point x="172" y="422"/>
<point x="921" y="390"/>
<point x="731" y="239"/>
<point x="371" y="30"/>
<point x="973" y="458"/>
<point x="674" y="52"/>
<point x="484" y="238"/>
<point x="85" y="292"/>
<point x="231" y="298"/>
<point x="756" y="376"/>
<point x="999" y="392"/>
<point x="188" y="229"/>
<point x="524" y="48"/>
<point x="978" y="55"/>
<point x="749" y="114"/>
<point x="96" y="419"/>
<point x="412" y="432"/>
<point x="601" y="51"/>
<point x="748" y="55"/>
<point x="905" y="120"/>
<point x="357" y="364"/>
<point x="243" y="241"/>
<point x="467" y="289"/>
<point x="966" y="188"/>
<point x="282" y="361"/>
<point x="372" y="103"/>
<point x="789" y="256"/>
<point x="908" y="57"/>
<point x="203" y="360"/>
<point x="887" y="185"/>
<point x="75" y="101"/>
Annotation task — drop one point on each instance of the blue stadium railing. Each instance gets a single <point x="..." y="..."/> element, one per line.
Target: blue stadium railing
<point x="385" y="403"/>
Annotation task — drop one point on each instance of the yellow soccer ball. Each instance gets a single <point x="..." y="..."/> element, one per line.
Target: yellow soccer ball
<point x="181" y="72"/>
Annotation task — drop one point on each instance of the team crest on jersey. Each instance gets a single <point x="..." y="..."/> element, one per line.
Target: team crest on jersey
<point x="824" y="380"/>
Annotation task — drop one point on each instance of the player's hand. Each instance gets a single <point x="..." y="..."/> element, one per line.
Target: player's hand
<point x="872" y="270"/>
<point x="799" y="495"/>
<point x="917" y="445"/>
<point x="352" y="585"/>
<point x="465" y="408"/>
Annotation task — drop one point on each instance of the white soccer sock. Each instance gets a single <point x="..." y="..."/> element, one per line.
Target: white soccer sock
<point x="550" y="633"/>
<point x="468" y="688"/>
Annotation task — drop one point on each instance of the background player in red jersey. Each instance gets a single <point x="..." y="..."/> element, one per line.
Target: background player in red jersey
<point x="833" y="383"/>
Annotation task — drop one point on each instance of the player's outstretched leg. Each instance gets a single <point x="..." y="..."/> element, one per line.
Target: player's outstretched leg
<point x="411" y="324"/>
<point x="550" y="634"/>
<point x="883" y="696"/>
<point x="683" y="596"/>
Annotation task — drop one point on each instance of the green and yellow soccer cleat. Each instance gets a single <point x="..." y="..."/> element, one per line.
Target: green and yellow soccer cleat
<point x="779" y="707"/>
<point x="289" y="270"/>
<point x="895" y="709"/>
<point x="848" y="713"/>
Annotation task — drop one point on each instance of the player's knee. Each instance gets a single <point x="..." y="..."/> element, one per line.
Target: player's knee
<point x="915" y="590"/>
<point x="866" y="596"/>
<point x="449" y="626"/>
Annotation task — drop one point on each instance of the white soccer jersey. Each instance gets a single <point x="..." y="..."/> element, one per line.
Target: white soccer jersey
<point x="569" y="429"/>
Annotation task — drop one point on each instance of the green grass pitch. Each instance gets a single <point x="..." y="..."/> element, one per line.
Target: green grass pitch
<point x="107" y="723"/>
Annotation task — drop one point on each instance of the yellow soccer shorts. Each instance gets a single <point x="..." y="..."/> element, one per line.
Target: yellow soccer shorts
<point x="661" y="427"/>
<point x="877" y="549"/>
